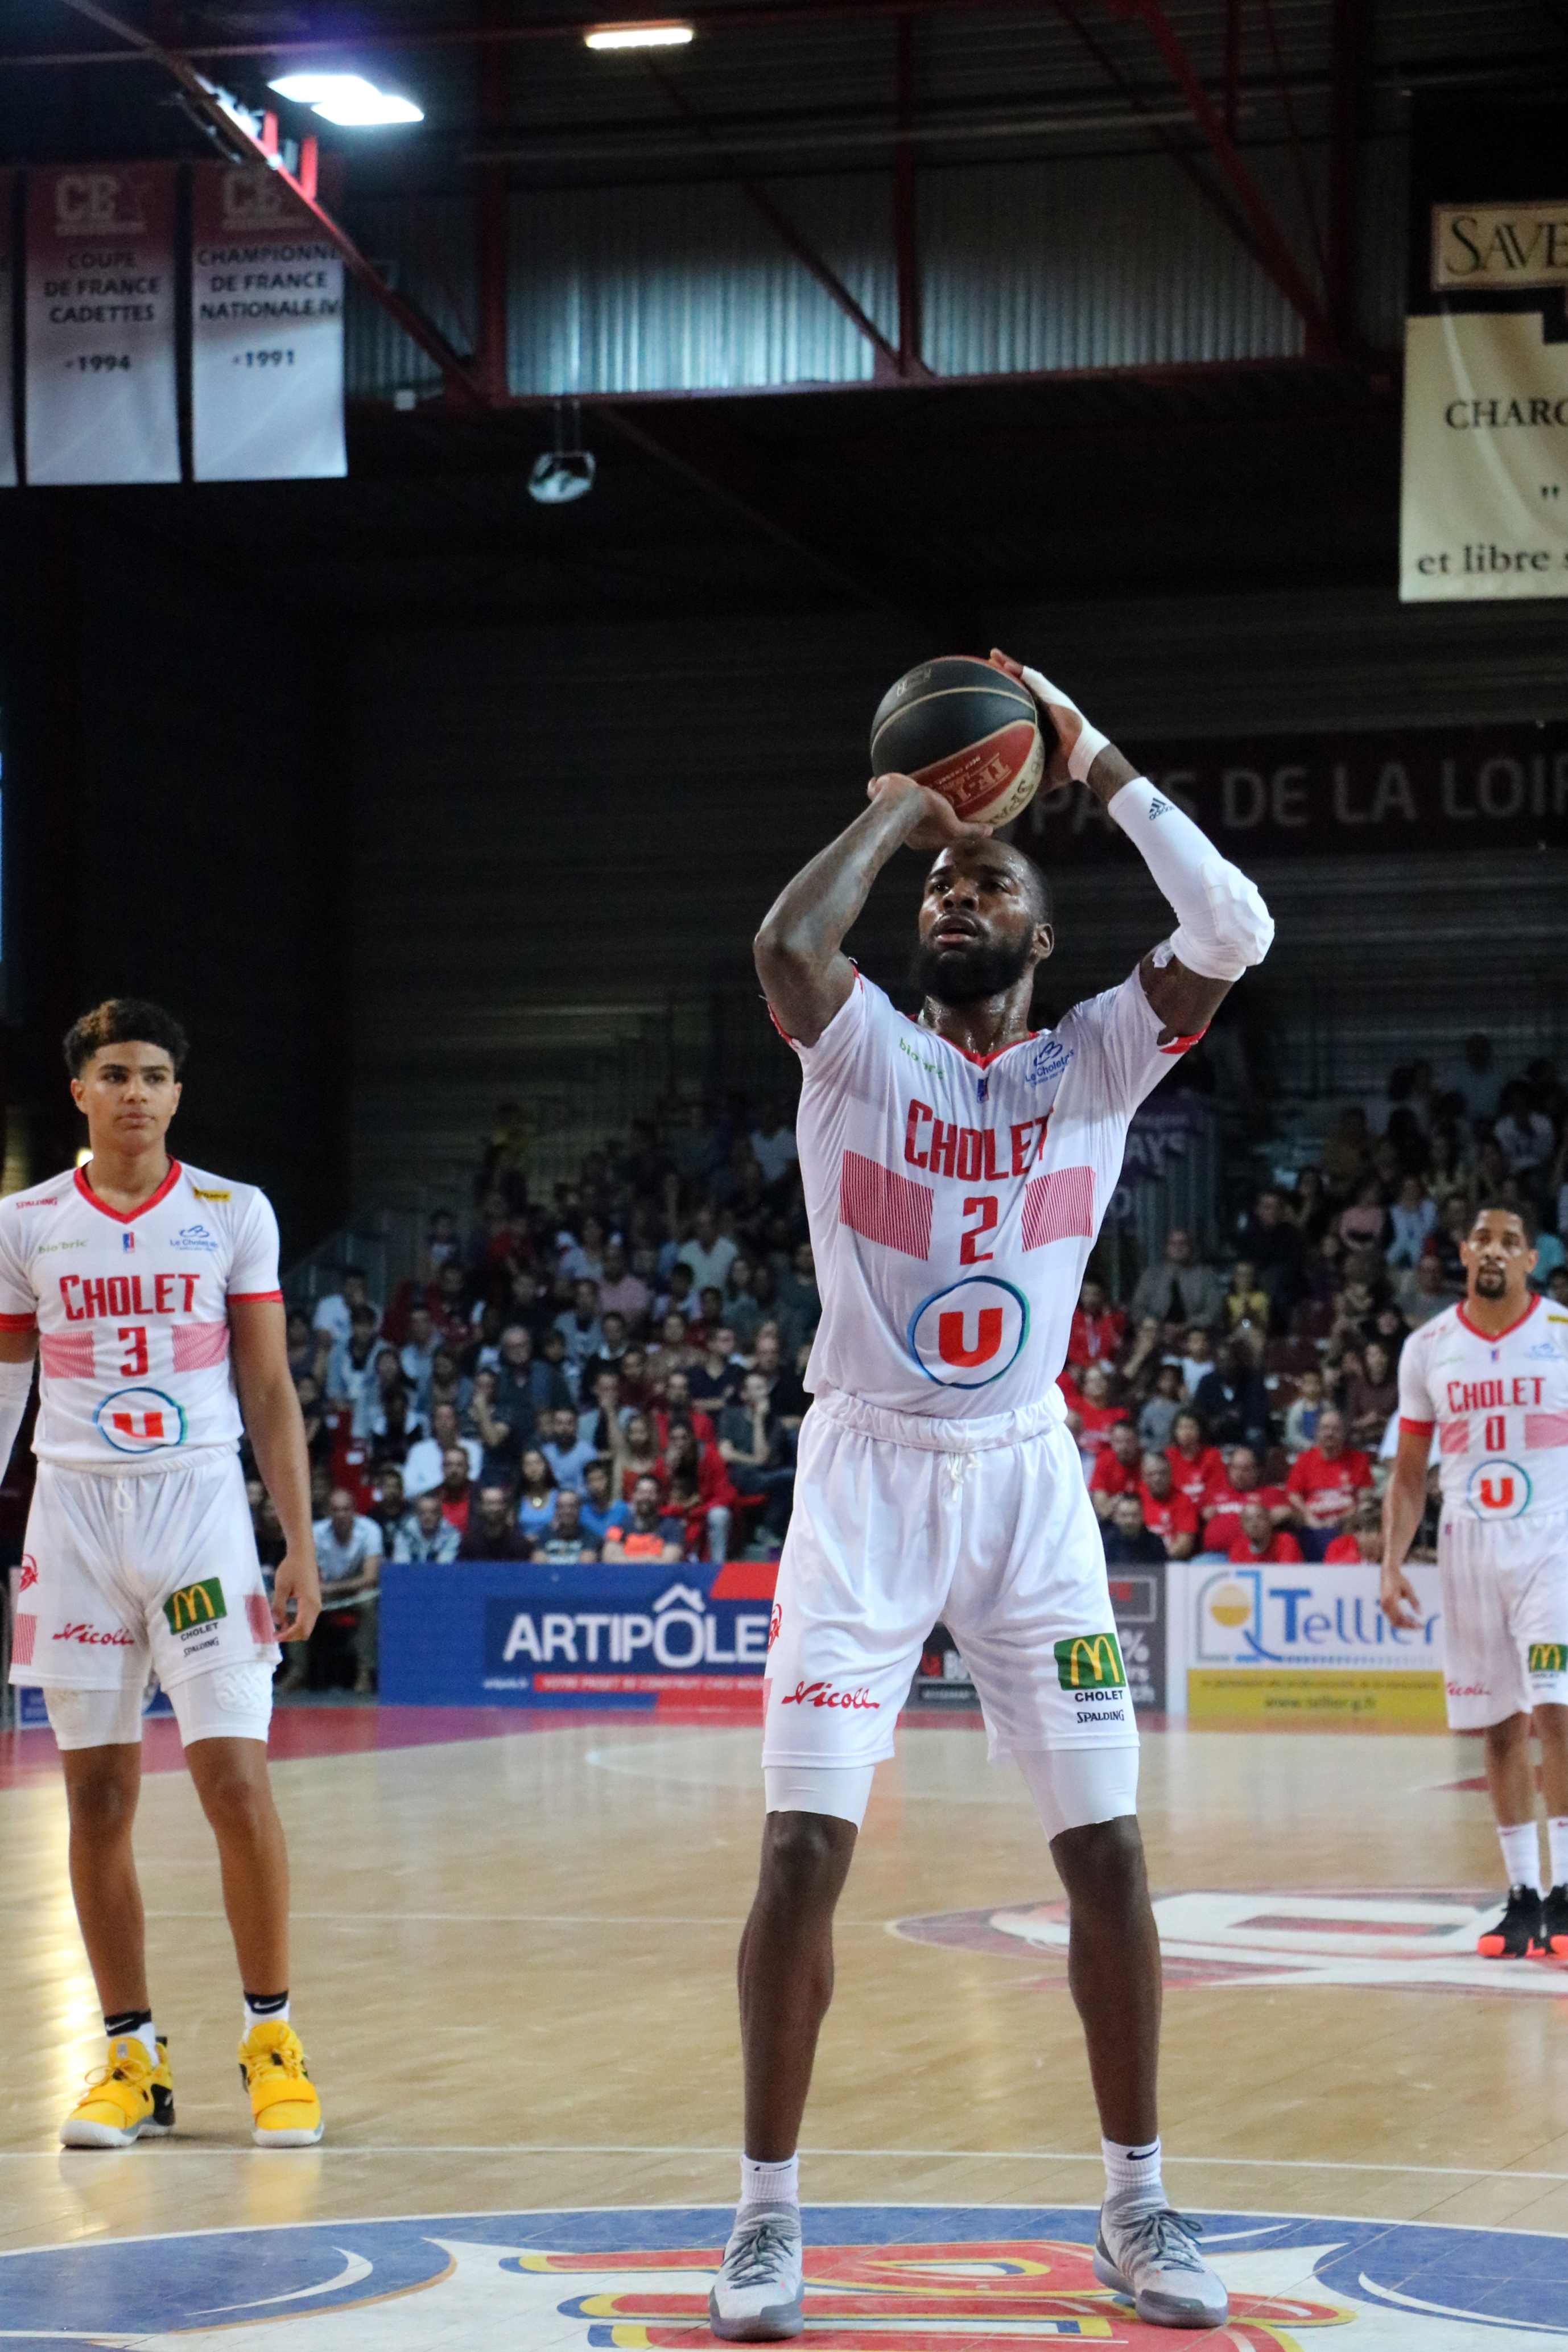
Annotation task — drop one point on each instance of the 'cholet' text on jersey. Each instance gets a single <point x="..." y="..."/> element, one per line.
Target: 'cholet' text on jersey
<point x="131" y="1312"/>
<point x="1500" y="1405"/>
<point x="953" y="1201"/>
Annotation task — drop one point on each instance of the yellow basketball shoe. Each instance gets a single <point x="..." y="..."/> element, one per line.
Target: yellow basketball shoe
<point x="163" y="2094"/>
<point x="284" y="2107"/>
<point x="117" y="2104"/>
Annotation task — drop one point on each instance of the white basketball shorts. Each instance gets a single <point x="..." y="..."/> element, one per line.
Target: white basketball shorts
<point x="152" y="1572"/>
<point x="1505" y="1617"/>
<point x="900" y="1520"/>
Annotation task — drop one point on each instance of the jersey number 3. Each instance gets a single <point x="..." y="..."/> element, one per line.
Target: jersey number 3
<point x="984" y="1222"/>
<point x="134" y="1337"/>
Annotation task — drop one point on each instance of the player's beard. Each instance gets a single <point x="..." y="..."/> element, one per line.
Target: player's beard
<point x="1492" y="1281"/>
<point x="964" y="975"/>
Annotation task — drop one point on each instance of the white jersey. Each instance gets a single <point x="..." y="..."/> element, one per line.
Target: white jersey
<point x="131" y="1312"/>
<point x="1501" y="1406"/>
<point x="953" y="1199"/>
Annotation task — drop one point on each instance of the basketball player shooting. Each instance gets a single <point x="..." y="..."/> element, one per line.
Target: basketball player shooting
<point x="957" y="1169"/>
<point x="1490" y="1375"/>
<point x="149" y="1291"/>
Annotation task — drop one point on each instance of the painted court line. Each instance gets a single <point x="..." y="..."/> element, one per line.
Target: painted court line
<point x="977" y="2155"/>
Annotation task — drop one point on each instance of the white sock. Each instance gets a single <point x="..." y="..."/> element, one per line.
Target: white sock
<point x="146" y="2034"/>
<point x="1135" y="2168"/>
<point x="771" y="2184"/>
<point x="1557" y="1844"/>
<point x="1520" y="1854"/>
<point x="268" y="2016"/>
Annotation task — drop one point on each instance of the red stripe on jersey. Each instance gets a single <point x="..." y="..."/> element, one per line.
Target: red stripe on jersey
<point x="258" y="1616"/>
<point x="1455" y="1439"/>
<point x="128" y="1216"/>
<point x="1059" y="1206"/>
<point x="197" y="1345"/>
<point x="67" y="1355"/>
<point x="18" y="1322"/>
<point x="885" y="1207"/>
<point x="21" y="1640"/>
<point x="253" y="1298"/>
<point x="1417" y="1428"/>
<point x="1184" y="1044"/>
<point x="1546" y="1429"/>
<point x="1492" y="1337"/>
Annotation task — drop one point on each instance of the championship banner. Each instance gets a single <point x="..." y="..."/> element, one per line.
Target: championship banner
<point x="1445" y="788"/>
<point x="7" y="355"/>
<point x="266" y="333"/>
<point x="530" y="1633"/>
<point x="100" y="378"/>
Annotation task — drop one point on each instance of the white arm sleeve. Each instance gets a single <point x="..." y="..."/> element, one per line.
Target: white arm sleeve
<point x="1222" y="923"/>
<point x="15" y="1387"/>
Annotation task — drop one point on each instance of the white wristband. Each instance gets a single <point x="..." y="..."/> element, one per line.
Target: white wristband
<point x="1084" y="746"/>
<point x="15" y="1387"/>
<point x="1223" y="923"/>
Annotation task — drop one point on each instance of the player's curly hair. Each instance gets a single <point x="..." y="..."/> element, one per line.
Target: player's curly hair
<point x="1518" y="1209"/>
<point x="124" y="1021"/>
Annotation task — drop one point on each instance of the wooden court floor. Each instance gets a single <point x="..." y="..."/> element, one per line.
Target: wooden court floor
<point x="514" y="1961"/>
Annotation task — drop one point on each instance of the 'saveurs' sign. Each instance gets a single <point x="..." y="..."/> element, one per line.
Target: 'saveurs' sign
<point x="1484" y="505"/>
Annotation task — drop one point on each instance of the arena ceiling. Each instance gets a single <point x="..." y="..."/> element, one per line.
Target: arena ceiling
<point x="945" y="498"/>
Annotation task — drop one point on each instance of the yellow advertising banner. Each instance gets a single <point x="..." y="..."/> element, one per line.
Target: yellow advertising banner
<point x="1298" y="1699"/>
<point x="1484" y="494"/>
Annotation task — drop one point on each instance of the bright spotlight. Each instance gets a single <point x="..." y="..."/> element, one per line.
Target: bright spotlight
<point x="639" y="37"/>
<point x="347" y="99"/>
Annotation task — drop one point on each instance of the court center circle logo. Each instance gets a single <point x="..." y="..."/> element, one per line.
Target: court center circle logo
<point x="968" y="1335"/>
<point x="875" y="2275"/>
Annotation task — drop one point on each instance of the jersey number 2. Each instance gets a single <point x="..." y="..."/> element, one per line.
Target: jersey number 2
<point x="986" y="1202"/>
<point x="134" y="1337"/>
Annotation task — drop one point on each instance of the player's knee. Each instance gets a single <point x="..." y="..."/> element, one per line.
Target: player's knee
<point x="235" y="1795"/>
<point x="100" y="1798"/>
<point x="1102" y="1865"/>
<point x="1512" y="1733"/>
<point x="804" y="1857"/>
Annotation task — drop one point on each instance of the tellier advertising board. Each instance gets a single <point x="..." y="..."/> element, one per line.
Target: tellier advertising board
<point x="533" y="1633"/>
<point x="1298" y="1643"/>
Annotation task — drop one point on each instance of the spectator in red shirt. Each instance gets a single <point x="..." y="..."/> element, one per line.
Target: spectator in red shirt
<point x="1097" y="1415"/>
<point x="1098" y="1328"/>
<point x="677" y="1409"/>
<point x="713" y="1497"/>
<point x="1359" y="1544"/>
<point x="1173" y="1519"/>
<point x="1257" y="1538"/>
<point x="1196" y="1466"/>
<point x="1116" y="1468"/>
<point x="1240" y="1484"/>
<point x="1325" y="1483"/>
<point x="453" y="1489"/>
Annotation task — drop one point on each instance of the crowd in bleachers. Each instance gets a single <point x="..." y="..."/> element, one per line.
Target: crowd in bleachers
<point x="615" y="1374"/>
<point x="1249" y="1410"/>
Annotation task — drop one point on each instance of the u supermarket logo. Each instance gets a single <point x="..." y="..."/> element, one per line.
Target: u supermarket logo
<point x="139" y="1421"/>
<point x="1089" y="1662"/>
<point x="195" y="1605"/>
<point x="968" y="1335"/>
<point x="1498" y="1490"/>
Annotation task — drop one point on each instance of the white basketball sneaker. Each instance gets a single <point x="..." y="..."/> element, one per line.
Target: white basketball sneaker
<point x="1150" y="2253"/>
<point x="759" y="2296"/>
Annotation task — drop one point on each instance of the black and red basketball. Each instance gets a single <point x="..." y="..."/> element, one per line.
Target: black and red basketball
<point x="967" y="730"/>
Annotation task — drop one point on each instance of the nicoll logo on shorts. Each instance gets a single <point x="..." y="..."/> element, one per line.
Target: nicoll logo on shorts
<point x="195" y="1606"/>
<point x="824" y="1695"/>
<point x="118" y="1639"/>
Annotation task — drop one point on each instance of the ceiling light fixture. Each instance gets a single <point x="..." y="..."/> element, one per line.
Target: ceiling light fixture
<point x="639" y="37"/>
<point x="347" y="99"/>
<point x="567" y="471"/>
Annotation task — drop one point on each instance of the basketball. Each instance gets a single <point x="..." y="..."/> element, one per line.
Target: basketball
<point x="968" y="732"/>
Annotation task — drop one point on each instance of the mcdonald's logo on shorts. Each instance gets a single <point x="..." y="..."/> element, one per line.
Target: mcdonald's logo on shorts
<point x="1549" y="1658"/>
<point x="195" y="1605"/>
<point x="1089" y="1662"/>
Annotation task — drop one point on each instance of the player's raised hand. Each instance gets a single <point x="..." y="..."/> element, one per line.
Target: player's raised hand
<point x="1400" y="1602"/>
<point x="1065" y="720"/>
<point x="298" y="1580"/>
<point x="939" y="823"/>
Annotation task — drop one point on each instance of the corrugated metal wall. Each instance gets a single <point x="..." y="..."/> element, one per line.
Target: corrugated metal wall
<point x="638" y="796"/>
<point x="1076" y="262"/>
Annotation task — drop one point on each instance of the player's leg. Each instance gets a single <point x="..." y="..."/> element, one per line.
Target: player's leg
<point x="99" y="1734"/>
<point x="851" y="1611"/>
<point x="1031" y="1611"/>
<point x="1485" y="1690"/>
<point x="210" y="1631"/>
<point x="1539" y="1623"/>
